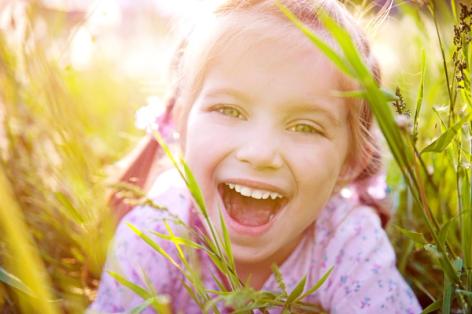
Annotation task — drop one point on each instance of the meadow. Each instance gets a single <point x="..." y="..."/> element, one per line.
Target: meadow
<point x="65" y="127"/>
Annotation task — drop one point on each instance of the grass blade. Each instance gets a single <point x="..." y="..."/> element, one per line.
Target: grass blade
<point x="24" y="258"/>
<point x="321" y="44"/>
<point x="433" y="307"/>
<point x="140" y="291"/>
<point x="419" y="99"/>
<point x="154" y="245"/>
<point x="447" y="296"/>
<point x="14" y="281"/>
<point x="149" y="298"/>
<point x="297" y="291"/>
<point x="317" y="285"/>
<point x="445" y="139"/>
<point x="279" y="279"/>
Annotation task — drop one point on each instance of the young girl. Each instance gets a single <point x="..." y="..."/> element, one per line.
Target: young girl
<point x="272" y="146"/>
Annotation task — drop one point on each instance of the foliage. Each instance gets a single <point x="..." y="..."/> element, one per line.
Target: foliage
<point x="432" y="152"/>
<point x="60" y="131"/>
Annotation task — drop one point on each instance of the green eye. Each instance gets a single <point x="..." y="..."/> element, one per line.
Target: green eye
<point x="303" y="128"/>
<point x="232" y="112"/>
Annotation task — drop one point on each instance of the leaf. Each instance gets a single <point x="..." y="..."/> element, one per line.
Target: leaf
<point x="231" y="274"/>
<point x="154" y="245"/>
<point x="176" y="244"/>
<point x="417" y="237"/>
<point x="317" y="285"/>
<point x="14" y="281"/>
<point x="138" y="309"/>
<point x="169" y="154"/>
<point x="279" y="279"/>
<point x="362" y="94"/>
<point x="443" y="141"/>
<point x="419" y="99"/>
<point x="140" y="291"/>
<point x="162" y="301"/>
<point x="464" y="292"/>
<point x="178" y="240"/>
<point x="219" y="283"/>
<point x="447" y="296"/>
<point x="226" y="240"/>
<point x="436" y="305"/>
<point x="297" y="291"/>
<point x="194" y="188"/>
<point x="442" y="235"/>
<point x="69" y="207"/>
<point x="322" y="45"/>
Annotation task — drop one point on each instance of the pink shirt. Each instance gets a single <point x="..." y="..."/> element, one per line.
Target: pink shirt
<point x="347" y="236"/>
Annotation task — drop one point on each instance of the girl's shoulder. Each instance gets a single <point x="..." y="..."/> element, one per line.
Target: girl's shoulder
<point x="133" y="254"/>
<point x="349" y="235"/>
<point x="364" y="279"/>
<point x="168" y="199"/>
<point x="344" y="215"/>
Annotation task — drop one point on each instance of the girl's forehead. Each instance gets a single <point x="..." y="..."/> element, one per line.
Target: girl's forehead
<point x="282" y="44"/>
<point x="271" y="61"/>
<point x="278" y="72"/>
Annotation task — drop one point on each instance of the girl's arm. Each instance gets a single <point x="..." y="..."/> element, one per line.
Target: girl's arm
<point x="132" y="258"/>
<point x="365" y="278"/>
<point x="136" y="261"/>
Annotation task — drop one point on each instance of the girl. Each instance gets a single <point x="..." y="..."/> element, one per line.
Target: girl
<point x="271" y="145"/>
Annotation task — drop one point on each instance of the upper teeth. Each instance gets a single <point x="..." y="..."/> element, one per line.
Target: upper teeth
<point x="257" y="194"/>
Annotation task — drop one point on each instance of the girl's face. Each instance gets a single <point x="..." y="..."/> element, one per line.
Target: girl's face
<point x="266" y="125"/>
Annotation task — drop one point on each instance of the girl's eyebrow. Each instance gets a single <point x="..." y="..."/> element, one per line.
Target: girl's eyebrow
<point x="226" y="91"/>
<point x="312" y="107"/>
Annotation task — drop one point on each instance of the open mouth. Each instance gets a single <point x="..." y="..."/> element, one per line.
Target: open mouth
<point x="250" y="207"/>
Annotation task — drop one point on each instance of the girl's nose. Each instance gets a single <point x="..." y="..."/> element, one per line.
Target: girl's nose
<point x="260" y="152"/>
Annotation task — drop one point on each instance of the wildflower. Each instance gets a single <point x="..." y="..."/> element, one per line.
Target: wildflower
<point x="404" y="122"/>
<point x="399" y="103"/>
<point x="146" y="116"/>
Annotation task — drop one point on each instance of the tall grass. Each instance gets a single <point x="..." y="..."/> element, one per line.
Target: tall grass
<point x="61" y="128"/>
<point x="434" y="205"/>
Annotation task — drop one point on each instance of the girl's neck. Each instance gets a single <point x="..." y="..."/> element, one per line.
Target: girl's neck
<point x="256" y="274"/>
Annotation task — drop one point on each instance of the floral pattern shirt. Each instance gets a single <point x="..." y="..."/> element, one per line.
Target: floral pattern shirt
<point x="346" y="236"/>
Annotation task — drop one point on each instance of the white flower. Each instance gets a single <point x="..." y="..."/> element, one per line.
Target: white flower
<point x="146" y="116"/>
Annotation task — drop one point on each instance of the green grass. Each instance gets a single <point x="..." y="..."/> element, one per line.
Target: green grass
<point x="62" y="128"/>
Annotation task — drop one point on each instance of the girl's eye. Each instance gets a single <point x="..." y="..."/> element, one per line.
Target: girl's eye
<point x="303" y="128"/>
<point x="229" y="111"/>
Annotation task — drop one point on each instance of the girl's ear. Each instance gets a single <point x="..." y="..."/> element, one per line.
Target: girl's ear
<point x="351" y="169"/>
<point x="178" y="117"/>
<point x="344" y="177"/>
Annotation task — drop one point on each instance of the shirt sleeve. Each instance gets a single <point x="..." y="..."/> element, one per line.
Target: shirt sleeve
<point x="135" y="260"/>
<point x="365" y="278"/>
<point x="132" y="258"/>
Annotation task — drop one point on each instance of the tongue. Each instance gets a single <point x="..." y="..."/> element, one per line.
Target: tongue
<point x="247" y="210"/>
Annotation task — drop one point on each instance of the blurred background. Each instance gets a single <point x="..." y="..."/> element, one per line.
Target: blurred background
<point x="80" y="80"/>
